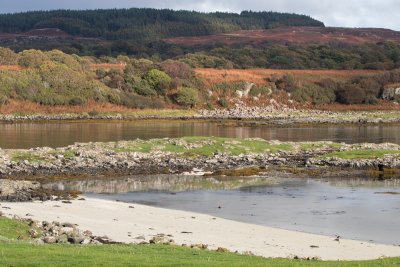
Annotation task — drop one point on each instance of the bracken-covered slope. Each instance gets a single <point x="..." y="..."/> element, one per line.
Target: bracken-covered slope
<point x="298" y="35"/>
<point x="147" y="24"/>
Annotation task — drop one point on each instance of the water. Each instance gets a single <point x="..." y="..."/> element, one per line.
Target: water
<point x="29" y="135"/>
<point x="356" y="208"/>
<point x="349" y="208"/>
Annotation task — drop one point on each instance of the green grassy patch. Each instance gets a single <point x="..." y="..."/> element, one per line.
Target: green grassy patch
<point x="13" y="229"/>
<point x="69" y="154"/>
<point x="202" y="146"/>
<point x="362" y="154"/>
<point x="22" y="254"/>
<point x="313" y="146"/>
<point x="24" y="155"/>
<point x="137" y="146"/>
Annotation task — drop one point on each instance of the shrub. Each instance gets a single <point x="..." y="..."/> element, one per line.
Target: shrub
<point x="93" y="113"/>
<point x="140" y="86"/>
<point x="177" y="69"/>
<point x="158" y="80"/>
<point x="32" y="58"/>
<point x="315" y="95"/>
<point x="350" y="93"/>
<point x="287" y="82"/>
<point x="3" y="99"/>
<point x="260" y="90"/>
<point x="223" y="102"/>
<point x="371" y="100"/>
<point x="141" y="102"/>
<point x="8" y="57"/>
<point x="187" y="97"/>
<point x="60" y="57"/>
<point x="76" y="101"/>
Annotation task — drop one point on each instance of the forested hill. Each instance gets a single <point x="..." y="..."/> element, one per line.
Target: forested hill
<point x="147" y="24"/>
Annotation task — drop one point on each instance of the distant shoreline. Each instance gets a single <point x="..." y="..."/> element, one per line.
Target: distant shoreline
<point x="261" y="115"/>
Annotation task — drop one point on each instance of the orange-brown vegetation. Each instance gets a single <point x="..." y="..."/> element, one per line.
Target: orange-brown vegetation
<point x="29" y="107"/>
<point x="92" y="66"/>
<point x="392" y="85"/>
<point x="11" y="67"/>
<point x="382" y="105"/>
<point x="258" y="76"/>
<point x="300" y="35"/>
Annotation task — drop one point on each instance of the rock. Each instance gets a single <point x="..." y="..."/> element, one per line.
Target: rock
<point x="200" y="246"/>
<point x="161" y="239"/>
<point x="87" y="233"/>
<point x="103" y="239"/>
<point x="221" y="249"/>
<point x="76" y="239"/>
<point x="70" y="225"/>
<point x="62" y="239"/>
<point x="67" y="230"/>
<point x="50" y="240"/>
<point x="86" y="241"/>
<point x="33" y="233"/>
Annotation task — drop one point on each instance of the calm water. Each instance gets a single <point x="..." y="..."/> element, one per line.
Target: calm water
<point x="353" y="208"/>
<point x="28" y="135"/>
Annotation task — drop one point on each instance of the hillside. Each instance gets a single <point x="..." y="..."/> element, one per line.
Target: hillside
<point x="57" y="79"/>
<point x="295" y="35"/>
<point x="147" y="24"/>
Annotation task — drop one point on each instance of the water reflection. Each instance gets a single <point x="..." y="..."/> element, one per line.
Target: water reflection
<point x="161" y="183"/>
<point x="28" y="135"/>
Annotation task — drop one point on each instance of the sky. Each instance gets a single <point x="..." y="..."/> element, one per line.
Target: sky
<point x="344" y="13"/>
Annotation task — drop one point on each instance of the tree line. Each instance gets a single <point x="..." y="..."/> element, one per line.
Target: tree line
<point x="146" y="23"/>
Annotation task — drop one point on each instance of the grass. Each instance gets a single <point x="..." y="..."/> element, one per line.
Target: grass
<point x="362" y="154"/>
<point x="202" y="146"/>
<point x="24" y="155"/>
<point x="23" y="254"/>
<point x="195" y="146"/>
<point x="13" y="229"/>
<point x="312" y="146"/>
<point x="23" y="108"/>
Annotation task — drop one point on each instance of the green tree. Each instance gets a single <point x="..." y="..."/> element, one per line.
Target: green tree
<point x="187" y="97"/>
<point x="158" y="80"/>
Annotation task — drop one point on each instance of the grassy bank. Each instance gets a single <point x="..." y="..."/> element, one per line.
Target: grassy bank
<point x="22" y="253"/>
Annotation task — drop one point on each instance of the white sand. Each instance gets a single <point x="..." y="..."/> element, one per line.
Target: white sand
<point x="117" y="220"/>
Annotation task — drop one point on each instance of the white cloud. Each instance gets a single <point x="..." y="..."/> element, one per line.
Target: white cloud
<point x="346" y="13"/>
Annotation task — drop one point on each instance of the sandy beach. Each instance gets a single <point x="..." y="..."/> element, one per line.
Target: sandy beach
<point x="124" y="222"/>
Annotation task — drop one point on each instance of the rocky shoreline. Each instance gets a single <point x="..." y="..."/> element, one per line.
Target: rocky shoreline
<point x="266" y="115"/>
<point x="201" y="154"/>
<point x="44" y="232"/>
